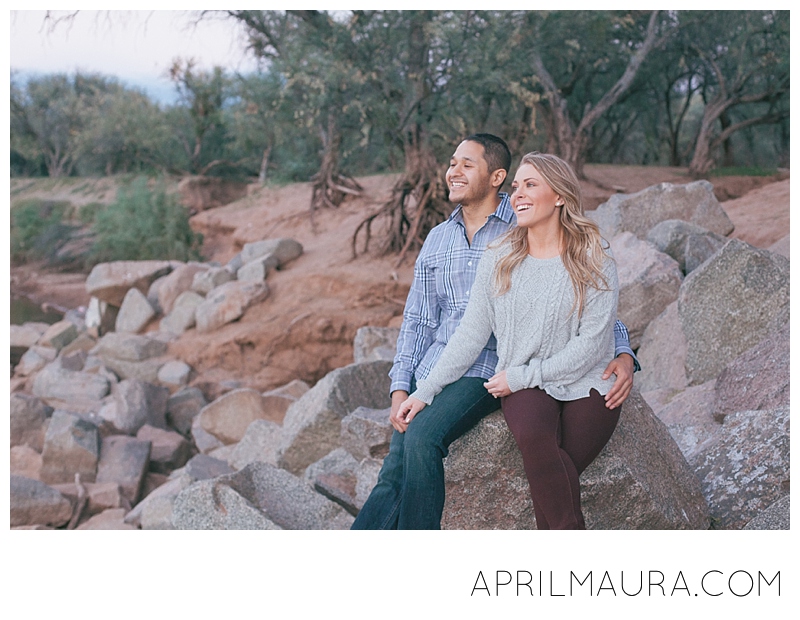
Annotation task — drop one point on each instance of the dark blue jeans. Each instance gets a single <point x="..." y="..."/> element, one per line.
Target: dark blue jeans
<point x="409" y="494"/>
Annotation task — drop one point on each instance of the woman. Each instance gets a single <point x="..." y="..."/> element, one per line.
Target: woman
<point x="548" y="291"/>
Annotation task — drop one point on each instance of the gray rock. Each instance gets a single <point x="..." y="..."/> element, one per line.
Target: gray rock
<point x="375" y="343"/>
<point x="689" y="244"/>
<point x="204" y="281"/>
<point x="335" y="477"/>
<point x="204" y="467"/>
<point x="638" y="213"/>
<point x="730" y="304"/>
<point x="128" y="347"/>
<point x="137" y="403"/>
<point x="134" y="313"/>
<point x="747" y="468"/>
<point x="756" y="379"/>
<point x="260" y="443"/>
<point x="257" y="269"/>
<point x="662" y="353"/>
<point x="74" y="361"/>
<point x="84" y="342"/>
<point x="228" y="417"/>
<point x="366" y="433"/>
<point x="25" y="461"/>
<point x="174" y="374"/>
<point x="34" y="359"/>
<point x="227" y="303"/>
<point x="312" y="426"/>
<point x="776" y="517"/>
<point x="146" y="370"/>
<point x="259" y="489"/>
<point x="212" y="505"/>
<point x="204" y="441"/>
<point x="688" y="416"/>
<point x="59" y="335"/>
<point x="183" y="406"/>
<point x="168" y="449"/>
<point x="23" y="337"/>
<point x="277" y="401"/>
<point x="111" y="519"/>
<point x="648" y="282"/>
<point x="124" y="460"/>
<point x="71" y="446"/>
<point x="639" y="481"/>
<point x="154" y="512"/>
<point x="28" y="421"/>
<point x="235" y="263"/>
<point x="283" y="250"/>
<point x="110" y="282"/>
<point x="33" y="502"/>
<point x="366" y="479"/>
<point x="182" y="316"/>
<point x="152" y="294"/>
<point x="178" y="281"/>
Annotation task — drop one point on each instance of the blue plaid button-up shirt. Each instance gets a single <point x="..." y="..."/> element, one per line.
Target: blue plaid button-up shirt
<point x="443" y="274"/>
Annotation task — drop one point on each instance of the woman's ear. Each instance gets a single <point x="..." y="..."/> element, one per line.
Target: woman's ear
<point x="559" y="201"/>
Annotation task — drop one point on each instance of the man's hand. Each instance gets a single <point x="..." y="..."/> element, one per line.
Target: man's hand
<point x="622" y="367"/>
<point x="398" y="396"/>
<point x="497" y="386"/>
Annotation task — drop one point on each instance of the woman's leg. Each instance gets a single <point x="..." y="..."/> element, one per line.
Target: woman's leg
<point x="534" y="418"/>
<point x="586" y="427"/>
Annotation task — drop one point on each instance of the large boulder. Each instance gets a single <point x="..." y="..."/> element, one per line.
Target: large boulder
<point x="59" y="335"/>
<point x="260" y="496"/>
<point x="260" y="443"/>
<point x="183" y="406"/>
<point x="110" y="282"/>
<point x="276" y="402"/>
<point x="756" y="379"/>
<point x="257" y="269"/>
<point x="205" y="281"/>
<point x="687" y="243"/>
<point x="312" y="426"/>
<point x="649" y="281"/>
<point x="124" y="460"/>
<point x="282" y="250"/>
<point x="136" y="403"/>
<point x="367" y="433"/>
<point x="130" y="347"/>
<point x="227" y="303"/>
<point x="662" y="353"/>
<point x="747" y="467"/>
<point x="228" y="417"/>
<point x="730" y="304"/>
<point x="25" y="461"/>
<point x="168" y="450"/>
<point x="34" y="503"/>
<point x="335" y="477"/>
<point x="639" y="481"/>
<point x="71" y="446"/>
<point x="177" y="282"/>
<point x="375" y="343"/>
<point x="28" y="421"/>
<point x="22" y="338"/>
<point x="776" y="517"/>
<point x="34" y="359"/>
<point x="134" y="313"/>
<point x="639" y="212"/>
<point x="56" y="382"/>
<point x="182" y="316"/>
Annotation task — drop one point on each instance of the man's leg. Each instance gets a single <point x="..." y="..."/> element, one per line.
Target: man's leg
<point x="410" y="489"/>
<point x="455" y="410"/>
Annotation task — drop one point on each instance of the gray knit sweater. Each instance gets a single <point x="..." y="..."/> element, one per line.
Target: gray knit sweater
<point x="540" y="343"/>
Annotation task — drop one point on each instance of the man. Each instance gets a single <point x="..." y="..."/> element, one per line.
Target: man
<point x="410" y="489"/>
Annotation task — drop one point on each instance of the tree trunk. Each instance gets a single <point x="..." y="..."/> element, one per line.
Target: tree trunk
<point x="329" y="185"/>
<point x="262" y="172"/>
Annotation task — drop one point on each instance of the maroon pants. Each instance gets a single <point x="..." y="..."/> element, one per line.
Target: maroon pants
<point x="558" y="440"/>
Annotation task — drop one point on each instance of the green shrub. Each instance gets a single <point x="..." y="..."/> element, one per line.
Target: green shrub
<point x="144" y="224"/>
<point x="88" y="212"/>
<point x="743" y="171"/>
<point x="37" y="228"/>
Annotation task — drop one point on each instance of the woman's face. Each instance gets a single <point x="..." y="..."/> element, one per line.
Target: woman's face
<point x="534" y="201"/>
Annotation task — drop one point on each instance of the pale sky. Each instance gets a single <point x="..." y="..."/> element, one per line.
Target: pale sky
<point x="135" y="46"/>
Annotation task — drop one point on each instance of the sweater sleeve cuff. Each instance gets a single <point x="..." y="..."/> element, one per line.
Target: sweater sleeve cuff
<point x="424" y="393"/>
<point x="522" y="377"/>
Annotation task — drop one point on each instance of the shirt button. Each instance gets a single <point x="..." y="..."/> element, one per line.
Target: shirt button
<point x="469" y="263"/>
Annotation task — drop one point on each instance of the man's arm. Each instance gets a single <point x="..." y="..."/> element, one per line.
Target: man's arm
<point x="623" y="366"/>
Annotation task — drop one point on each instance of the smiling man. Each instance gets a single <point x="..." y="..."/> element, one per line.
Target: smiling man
<point x="410" y="489"/>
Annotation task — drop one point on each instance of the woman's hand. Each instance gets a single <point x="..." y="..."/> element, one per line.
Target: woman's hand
<point x="407" y="411"/>
<point x="497" y="386"/>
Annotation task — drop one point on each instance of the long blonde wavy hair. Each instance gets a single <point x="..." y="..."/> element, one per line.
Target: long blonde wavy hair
<point x="581" y="244"/>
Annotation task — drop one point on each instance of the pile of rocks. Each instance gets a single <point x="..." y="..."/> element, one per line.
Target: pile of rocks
<point x="106" y="431"/>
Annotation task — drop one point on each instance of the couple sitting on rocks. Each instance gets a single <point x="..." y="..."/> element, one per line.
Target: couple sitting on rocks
<point x="539" y="333"/>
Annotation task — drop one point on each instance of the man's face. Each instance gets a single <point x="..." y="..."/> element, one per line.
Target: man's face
<point x="468" y="178"/>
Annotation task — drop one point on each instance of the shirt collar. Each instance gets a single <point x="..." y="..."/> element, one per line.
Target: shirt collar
<point x="503" y="212"/>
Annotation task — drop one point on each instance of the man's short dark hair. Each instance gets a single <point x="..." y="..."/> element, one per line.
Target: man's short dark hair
<point x="495" y="150"/>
